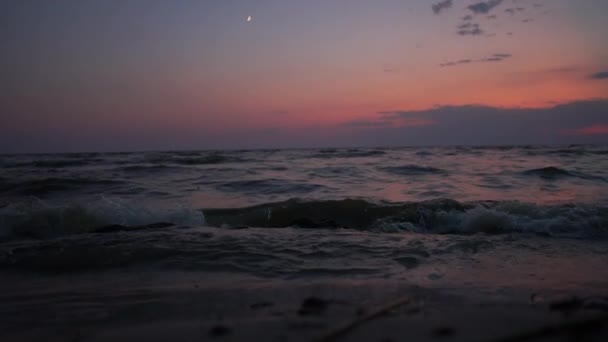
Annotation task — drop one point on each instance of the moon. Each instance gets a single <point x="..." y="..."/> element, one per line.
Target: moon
<point x="249" y="18"/>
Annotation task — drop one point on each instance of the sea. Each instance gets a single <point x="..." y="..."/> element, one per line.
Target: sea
<point x="93" y="244"/>
<point x="278" y="212"/>
<point x="154" y="202"/>
<point x="553" y="191"/>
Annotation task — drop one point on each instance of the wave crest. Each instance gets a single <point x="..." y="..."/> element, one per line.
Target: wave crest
<point x="553" y="173"/>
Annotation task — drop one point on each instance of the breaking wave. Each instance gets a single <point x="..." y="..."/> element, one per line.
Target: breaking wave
<point x="37" y="219"/>
<point x="443" y="216"/>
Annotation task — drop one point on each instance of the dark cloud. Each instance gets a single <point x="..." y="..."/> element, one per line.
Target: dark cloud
<point x="469" y="29"/>
<point x="602" y="75"/>
<point x="467" y="18"/>
<point x="527" y="20"/>
<point x="514" y="10"/>
<point x="466" y="25"/>
<point x="480" y="125"/>
<point x="491" y="16"/>
<point x="440" y="6"/>
<point x="484" y="7"/>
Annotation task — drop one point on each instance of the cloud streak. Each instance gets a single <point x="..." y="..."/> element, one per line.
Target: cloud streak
<point x="599" y="129"/>
<point x="602" y="75"/>
<point x="469" y="29"/>
<point x="497" y="57"/>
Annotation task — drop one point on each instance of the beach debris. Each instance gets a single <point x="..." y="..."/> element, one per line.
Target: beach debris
<point x="313" y="306"/>
<point x="600" y="304"/>
<point x="443" y="331"/>
<point x="536" y="298"/>
<point x="261" y="305"/>
<point x="347" y="327"/>
<point x="567" y="306"/>
<point x="573" y="304"/>
<point x="575" y="330"/>
<point x="219" y="330"/>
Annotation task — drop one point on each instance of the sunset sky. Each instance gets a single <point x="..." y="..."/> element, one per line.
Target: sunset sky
<point x="84" y="75"/>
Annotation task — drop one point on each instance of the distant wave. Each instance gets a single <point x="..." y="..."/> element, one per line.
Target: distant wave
<point x="210" y="159"/>
<point x="411" y="170"/>
<point x="552" y="173"/>
<point x="191" y="158"/>
<point x="353" y="153"/>
<point x="55" y="163"/>
<point x="43" y="186"/>
<point x="336" y="171"/>
<point x="268" y="186"/>
<point x="152" y="168"/>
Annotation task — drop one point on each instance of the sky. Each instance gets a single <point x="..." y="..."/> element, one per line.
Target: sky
<point x="123" y="75"/>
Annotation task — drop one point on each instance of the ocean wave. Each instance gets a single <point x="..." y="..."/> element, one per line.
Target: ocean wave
<point x="411" y="170"/>
<point x="335" y="172"/>
<point x="43" y="186"/>
<point x="553" y="173"/>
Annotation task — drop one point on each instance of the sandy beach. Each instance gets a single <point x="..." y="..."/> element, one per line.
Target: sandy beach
<point x="483" y="294"/>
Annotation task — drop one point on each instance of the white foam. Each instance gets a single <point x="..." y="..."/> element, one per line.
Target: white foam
<point x="39" y="218"/>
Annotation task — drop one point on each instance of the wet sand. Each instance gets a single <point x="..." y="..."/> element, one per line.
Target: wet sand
<point x="190" y="307"/>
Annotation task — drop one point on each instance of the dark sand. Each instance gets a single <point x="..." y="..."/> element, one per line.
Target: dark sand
<point x="524" y="288"/>
<point x="167" y="307"/>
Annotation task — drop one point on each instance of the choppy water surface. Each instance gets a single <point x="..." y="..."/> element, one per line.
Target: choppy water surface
<point x="292" y="213"/>
<point x="453" y="189"/>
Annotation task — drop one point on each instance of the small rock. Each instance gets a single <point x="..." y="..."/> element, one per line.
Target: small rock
<point x="219" y="330"/>
<point x="313" y="306"/>
<point x="261" y="305"/>
<point x="567" y="306"/>
<point x="443" y="332"/>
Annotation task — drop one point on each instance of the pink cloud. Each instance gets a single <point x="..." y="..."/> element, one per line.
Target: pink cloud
<point x="597" y="129"/>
